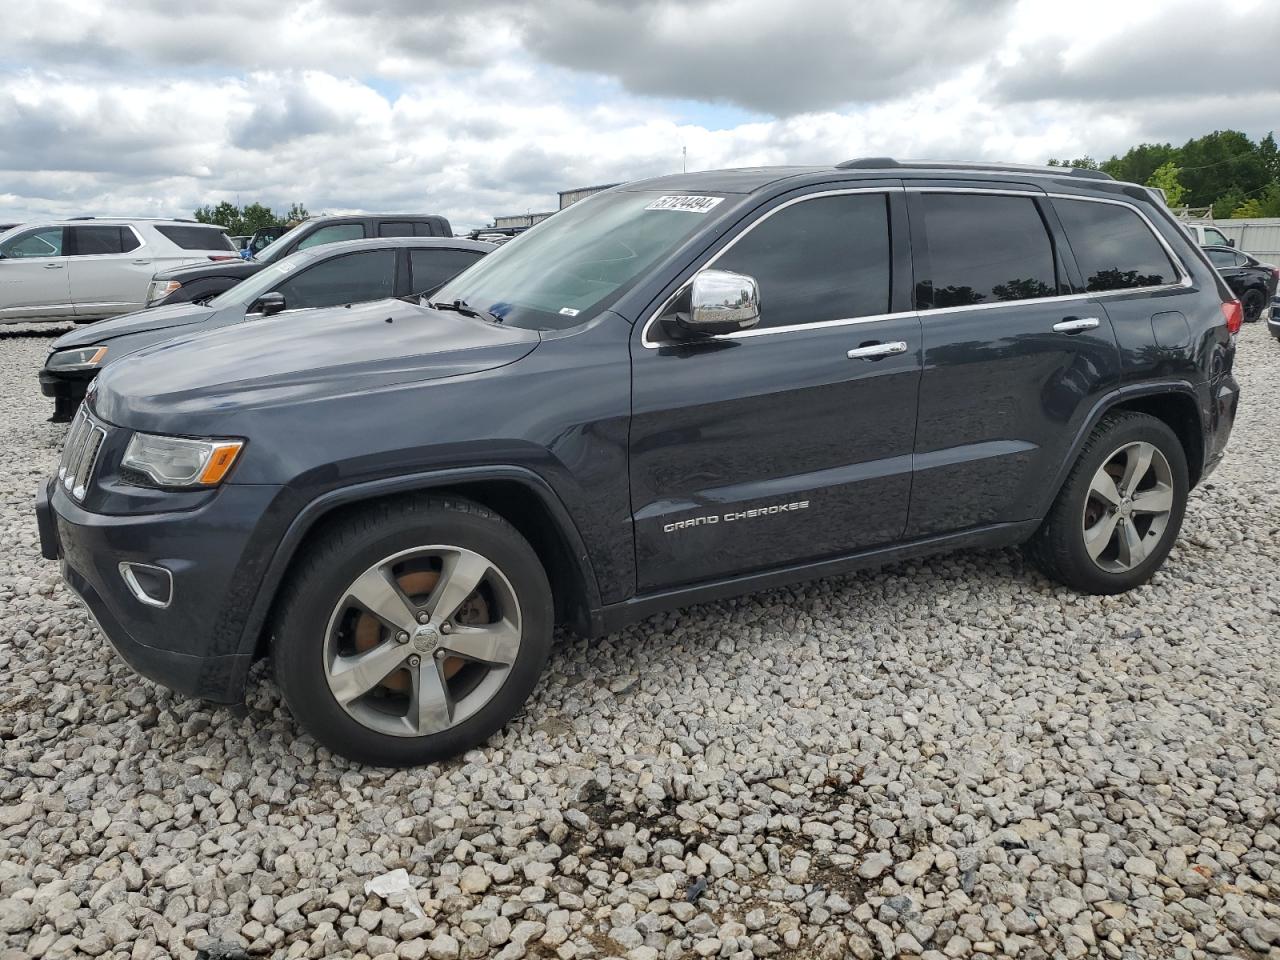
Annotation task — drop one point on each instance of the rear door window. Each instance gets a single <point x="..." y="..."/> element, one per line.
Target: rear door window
<point x="1115" y="248"/>
<point x="196" y="238"/>
<point x="101" y="239"/>
<point x="984" y="249"/>
<point x="429" y="268"/>
<point x="395" y="228"/>
<point x="820" y="259"/>
<point x="332" y="234"/>
<point x="1221" y="258"/>
<point x="353" y="278"/>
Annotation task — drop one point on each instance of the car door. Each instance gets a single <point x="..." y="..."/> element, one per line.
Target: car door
<point x="430" y="267"/>
<point x="791" y="441"/>
<point x="33" y="275"/>
<point x="336" y="280"/>
<point x="1014" y="360"/>
<point x="1228" y="263"/>
<point x="109" y="269"/>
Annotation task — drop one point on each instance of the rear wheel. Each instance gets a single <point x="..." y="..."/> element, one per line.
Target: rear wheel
<point x="1253" y="302"/>
<point x="1120" y="510"/>
<point x="414" y="631"/>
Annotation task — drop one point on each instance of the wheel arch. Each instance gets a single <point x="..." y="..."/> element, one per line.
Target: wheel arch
<point x="519" y="495"/>
<point x="1176" y="404"/>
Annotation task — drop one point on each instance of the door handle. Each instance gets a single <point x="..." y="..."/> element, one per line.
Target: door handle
<point x="143" y="263"/>
<point x="1076" y="324"/>
<point x="874" y="351"/>
<point x="53" y="266"/>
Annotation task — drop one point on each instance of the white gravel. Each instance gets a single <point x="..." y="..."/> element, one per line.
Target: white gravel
<point x="944" y="758"/>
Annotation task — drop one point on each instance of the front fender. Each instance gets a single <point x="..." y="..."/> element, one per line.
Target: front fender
<point x="454" y="478"/>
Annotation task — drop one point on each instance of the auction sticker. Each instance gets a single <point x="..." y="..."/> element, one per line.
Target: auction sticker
<point x="685" y="203"/>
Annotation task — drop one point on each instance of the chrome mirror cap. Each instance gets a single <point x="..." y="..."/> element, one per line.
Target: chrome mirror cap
<point x="722" y="302"/>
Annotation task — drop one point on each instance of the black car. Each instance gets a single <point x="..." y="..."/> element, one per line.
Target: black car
<point x="673" y="391"/>
<point x="1251" y="280"/>
<point x="353" y="271"/>
<point x="202" y="281"/>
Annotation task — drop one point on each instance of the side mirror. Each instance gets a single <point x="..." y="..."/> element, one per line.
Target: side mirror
<point x="269" y="304"/>
<point x="721" y="302"/>
<point x="1231" y="241"/>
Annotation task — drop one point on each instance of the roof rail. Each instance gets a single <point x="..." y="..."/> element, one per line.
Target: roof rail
<point x="82" y="218"/>
<point x="888" y="163"/>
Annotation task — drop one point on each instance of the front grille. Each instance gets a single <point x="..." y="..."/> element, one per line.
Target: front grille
<point x="80" y="454"/>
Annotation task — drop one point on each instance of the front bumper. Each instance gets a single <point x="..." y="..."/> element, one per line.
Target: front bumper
<point x="1273" y="319"/>
<point x="196" y="645"/>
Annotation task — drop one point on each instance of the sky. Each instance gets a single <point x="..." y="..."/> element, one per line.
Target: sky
<point x="477" y="108"/>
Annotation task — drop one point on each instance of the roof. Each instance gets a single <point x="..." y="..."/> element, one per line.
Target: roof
<point x="738" y="180"/>
<point x="341" y="246"/>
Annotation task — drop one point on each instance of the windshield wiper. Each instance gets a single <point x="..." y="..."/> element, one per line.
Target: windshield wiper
<point x="464" y="308"/>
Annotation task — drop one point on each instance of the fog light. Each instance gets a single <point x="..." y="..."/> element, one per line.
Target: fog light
<point x="149" y="584"/>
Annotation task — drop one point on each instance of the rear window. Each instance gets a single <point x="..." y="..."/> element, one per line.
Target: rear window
<point x="196" y="238"/>
<point x="1115" y="248"/>
<point x="985" y="249"/>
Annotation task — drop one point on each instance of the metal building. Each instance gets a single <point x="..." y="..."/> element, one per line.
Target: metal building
<point x="568" y="197"/>
<point x="517" y="220"/>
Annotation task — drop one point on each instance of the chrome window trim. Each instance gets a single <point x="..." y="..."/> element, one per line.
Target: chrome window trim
<point x="1185" y="279"/>
<point x="653" y="318"/>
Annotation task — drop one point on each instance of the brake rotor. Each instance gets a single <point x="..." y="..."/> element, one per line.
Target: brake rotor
<point x="420" y="583"/>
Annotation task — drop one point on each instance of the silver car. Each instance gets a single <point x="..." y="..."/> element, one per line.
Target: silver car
<point x="87" y="269"/>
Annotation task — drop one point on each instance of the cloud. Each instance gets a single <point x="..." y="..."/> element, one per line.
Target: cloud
<point x="1170" y="52"/>
<point x="474" y="108"/>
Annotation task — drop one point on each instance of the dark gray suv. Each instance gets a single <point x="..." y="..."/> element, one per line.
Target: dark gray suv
<point x="677" y="390"/>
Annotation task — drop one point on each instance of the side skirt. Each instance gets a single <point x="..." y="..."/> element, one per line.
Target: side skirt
<point x="615" y="616"/>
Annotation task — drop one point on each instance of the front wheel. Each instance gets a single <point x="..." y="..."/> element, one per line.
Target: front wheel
<point x="415" y="630"/>
<point x="1118" y="513"/>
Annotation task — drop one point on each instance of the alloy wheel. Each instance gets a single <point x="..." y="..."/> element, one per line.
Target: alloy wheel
<point x="422" y="640"/>
<point x="1127" y="509"/>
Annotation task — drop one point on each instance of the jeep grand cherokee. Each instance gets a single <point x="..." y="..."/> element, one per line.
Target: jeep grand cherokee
<point x="677" y="390"/>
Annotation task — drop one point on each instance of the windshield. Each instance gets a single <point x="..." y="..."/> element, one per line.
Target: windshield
<point x="243" y="294"/>
<point x="572" y="266"/>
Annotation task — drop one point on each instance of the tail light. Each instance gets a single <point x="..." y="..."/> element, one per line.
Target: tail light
<point x="1234" y="314"/>
<point x="224" y="256"/>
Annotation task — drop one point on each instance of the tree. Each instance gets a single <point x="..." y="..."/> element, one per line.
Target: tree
<point x="256" y="216"/>
<point x="1084" y="163"/>
<point x="297" y="213"/>
<point x="1165" y="178"/>
<point x="224" y="215"/>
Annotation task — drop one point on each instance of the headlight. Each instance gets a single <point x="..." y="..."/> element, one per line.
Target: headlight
<point x="179" y="462"/>
<point x="160" y="289"/>
<point x="79" y="358"/>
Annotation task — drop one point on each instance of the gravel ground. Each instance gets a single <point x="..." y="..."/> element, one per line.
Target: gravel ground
<point x="945" y="758"/>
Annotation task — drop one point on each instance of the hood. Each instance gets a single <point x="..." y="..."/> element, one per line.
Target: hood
<point x="305" y="356"/>
<point x="237" y="268"/>
<point x="157" y="318"/>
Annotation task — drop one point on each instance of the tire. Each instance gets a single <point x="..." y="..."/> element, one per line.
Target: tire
<point x="1077" y="522"/>
<point x="321" y="628"/>
<point x="1253" y="302"/>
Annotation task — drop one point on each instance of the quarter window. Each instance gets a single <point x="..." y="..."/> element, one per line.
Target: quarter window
<point x="38" y="243"/>
<point x="1221" y="258"/>
<point x="332" y="234"/>
<point x="984" y="249"/>
<point x="1116" y="250"/>
<point x="820" y="259"/>
<point x="353" y="278"/>
<point x="197" y="238"/>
